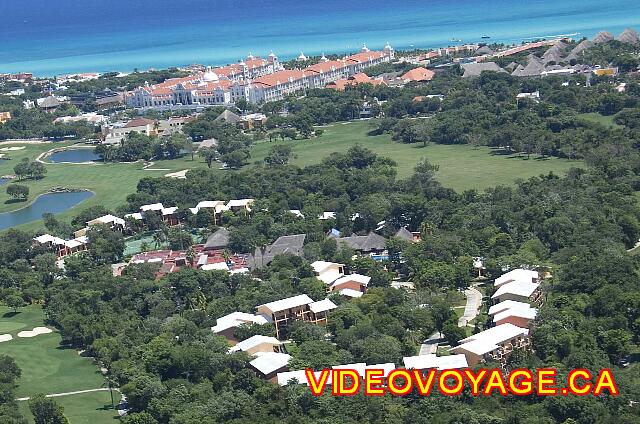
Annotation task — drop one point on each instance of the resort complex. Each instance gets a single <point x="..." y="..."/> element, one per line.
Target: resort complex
<point x="423" y="235"/>
<point x="253" y="79"/>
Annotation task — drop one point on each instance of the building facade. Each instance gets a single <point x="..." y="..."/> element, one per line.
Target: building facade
<point x="253" y="79"/>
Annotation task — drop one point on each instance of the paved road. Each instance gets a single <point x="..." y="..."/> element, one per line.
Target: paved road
<point x="471" y="309"/>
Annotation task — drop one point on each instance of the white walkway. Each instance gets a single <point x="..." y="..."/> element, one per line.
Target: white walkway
<point x="471" y="309"/>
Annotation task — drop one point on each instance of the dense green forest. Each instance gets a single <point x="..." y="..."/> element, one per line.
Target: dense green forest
<point x="154" y="336"/>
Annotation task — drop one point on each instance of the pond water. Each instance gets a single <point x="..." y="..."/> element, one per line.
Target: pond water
<point x="46" y="203"/>
<point x="74" y="156"/>
<point x="3" y="181"/>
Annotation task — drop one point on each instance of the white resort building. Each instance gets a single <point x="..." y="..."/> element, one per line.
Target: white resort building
<point x="253" y="79"/>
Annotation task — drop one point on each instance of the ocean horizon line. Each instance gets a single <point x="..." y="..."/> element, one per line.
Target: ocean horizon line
<point x="290" y="56"/>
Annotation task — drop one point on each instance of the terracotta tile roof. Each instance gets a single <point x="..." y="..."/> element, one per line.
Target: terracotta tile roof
<point x="139" y="122"/>
<point x="359" y="78"/>
<point x="235" y="68"/>
<point x="279" y="77"/>
<point x="419" y="74"/>
<point x="326" y="66"/>
<point x="364" y="56"/>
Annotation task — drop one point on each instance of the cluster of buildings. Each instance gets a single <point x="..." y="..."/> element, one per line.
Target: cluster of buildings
<point x="333" y="276"/>
<point x="422" y="362"/>
<point x="558" y="59"/>
<point x="269" y="357"/>
<point x="254" y="79"/>
<point x="116" y="132"/>
<point x="513" y="315"/>
<point x="197" y="257"/>
<point x="60" y="246"/>
<point x="18" y="77"/>
<point x="512" y="320"/>
<point x="169" y="215"/>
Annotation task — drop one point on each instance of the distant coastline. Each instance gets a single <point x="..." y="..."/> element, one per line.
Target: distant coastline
<point x="64" y="39"/>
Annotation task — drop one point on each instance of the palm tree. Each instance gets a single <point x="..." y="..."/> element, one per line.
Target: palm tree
<point x="427" y="228"/>
<point x="158" y="239"/>
<point x="191" y="255"/>
<point x="144" y="246"/>
<point x="111" y="383"/>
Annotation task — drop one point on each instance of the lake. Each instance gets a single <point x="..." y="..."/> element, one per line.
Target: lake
<point x="46" y="203"/>
<point x="73" y="156"/>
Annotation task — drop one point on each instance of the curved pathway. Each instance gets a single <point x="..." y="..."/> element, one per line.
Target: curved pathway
<point x="471" y="309"/>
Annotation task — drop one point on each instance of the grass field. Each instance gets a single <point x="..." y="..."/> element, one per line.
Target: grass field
<point x="49" y="368"/>
<point x="111" y="183"/>
<point x="461" y="167"/>
<point x="85" y="408"/>
<point x="600" y="119"/>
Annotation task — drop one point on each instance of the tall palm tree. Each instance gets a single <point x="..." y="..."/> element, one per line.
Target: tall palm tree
<point x="191" y="255"/>
<point x="427" y="228"/>
<point x="158" y="239"/>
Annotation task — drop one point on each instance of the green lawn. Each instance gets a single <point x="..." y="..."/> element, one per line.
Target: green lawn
<point x="600" y="119"/>
<point x="111" y="183"/>
<point x="49" y="368"/>
<point x="46" y="366"/>
<point x="85" y="408"/>
<point x="461" y="167"/>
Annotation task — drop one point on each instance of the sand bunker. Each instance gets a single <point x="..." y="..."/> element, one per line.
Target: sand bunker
<point x="180" y="174"/>
<point x="8" y="149"/>
<point x="5" y="337"/>
<point x="36" y="331"/>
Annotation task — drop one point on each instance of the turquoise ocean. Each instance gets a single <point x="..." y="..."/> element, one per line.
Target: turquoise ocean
<point x="49" y="37"/>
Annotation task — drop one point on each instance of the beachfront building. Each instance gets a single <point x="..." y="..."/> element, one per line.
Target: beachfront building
<point x="494" y="344"/>
<point x="255" y="80"/>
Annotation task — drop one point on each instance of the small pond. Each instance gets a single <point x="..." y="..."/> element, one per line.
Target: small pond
<point x="46" y="203"/>
<point x="73" y="156"/>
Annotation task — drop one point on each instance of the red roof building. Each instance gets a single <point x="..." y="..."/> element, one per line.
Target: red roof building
<point x="418" y="75"/>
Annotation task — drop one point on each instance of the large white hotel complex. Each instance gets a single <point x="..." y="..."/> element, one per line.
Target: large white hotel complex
<point x="254" y="79"/>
